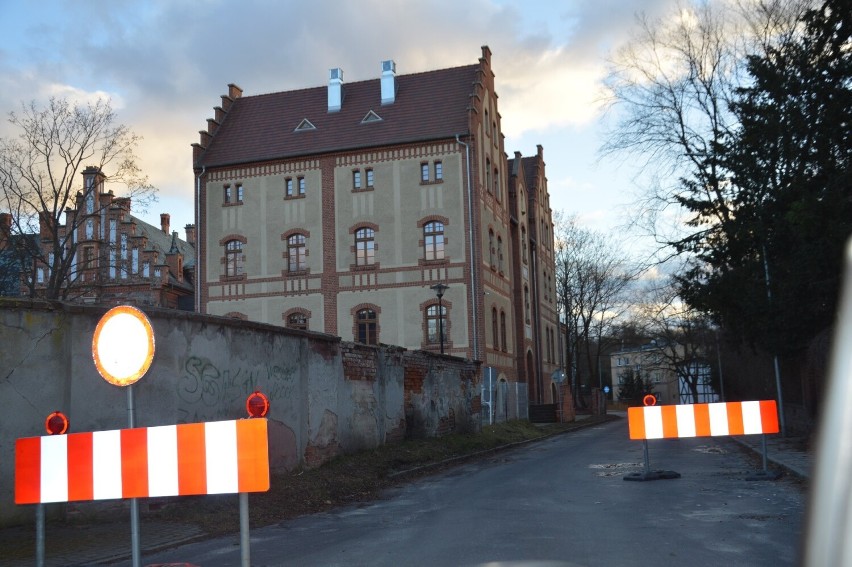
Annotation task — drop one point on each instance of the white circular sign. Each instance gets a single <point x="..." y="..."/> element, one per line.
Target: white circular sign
<point x="123" y="345"/>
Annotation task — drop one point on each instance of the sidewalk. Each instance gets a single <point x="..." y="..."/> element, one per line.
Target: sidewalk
<point x="789" y="454"/>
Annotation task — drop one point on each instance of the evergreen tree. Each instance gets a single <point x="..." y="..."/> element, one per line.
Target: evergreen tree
<point x="771" y="269"/>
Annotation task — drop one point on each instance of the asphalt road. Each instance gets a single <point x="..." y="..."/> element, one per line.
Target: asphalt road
<point x="561" y="501"/>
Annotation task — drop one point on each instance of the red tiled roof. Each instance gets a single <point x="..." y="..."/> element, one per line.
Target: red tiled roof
<point x="429" y="106"/>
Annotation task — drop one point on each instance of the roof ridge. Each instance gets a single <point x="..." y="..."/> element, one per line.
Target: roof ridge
<point x="359" y="82"/>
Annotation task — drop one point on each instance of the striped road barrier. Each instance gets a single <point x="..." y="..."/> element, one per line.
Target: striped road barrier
<point x="219" y="457"/>
<point x="701" y="420"/>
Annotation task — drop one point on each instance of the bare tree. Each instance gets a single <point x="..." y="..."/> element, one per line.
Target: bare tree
<point x="683" y="336"/>
<point x="592" y="277"/>
<point x="40" y="176"/>
<point x="670" y="90"/>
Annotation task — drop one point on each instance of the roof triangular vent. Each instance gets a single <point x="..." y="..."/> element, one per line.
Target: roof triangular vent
<point x="305" y="124"/>
<point x="371" y="117"/>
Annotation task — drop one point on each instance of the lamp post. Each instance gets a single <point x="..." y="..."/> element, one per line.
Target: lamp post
<point x="440" y="288"/>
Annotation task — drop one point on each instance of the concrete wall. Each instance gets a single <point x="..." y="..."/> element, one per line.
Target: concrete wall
<point x="327" y="397"/>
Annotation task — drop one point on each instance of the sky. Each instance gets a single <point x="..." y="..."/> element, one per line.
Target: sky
<point x="165" y="64"/>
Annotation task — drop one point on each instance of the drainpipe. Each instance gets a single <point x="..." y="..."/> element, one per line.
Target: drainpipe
<point x="473" y="296"/>
<point x="198" y="239"/>
<point x="536" y="324"/>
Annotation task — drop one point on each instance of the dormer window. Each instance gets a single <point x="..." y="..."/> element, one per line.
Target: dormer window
<point x="305" y="124"/>
<point x="371" y="117"/>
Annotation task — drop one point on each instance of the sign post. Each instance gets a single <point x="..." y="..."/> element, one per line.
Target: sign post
<point x="123" y="349"/>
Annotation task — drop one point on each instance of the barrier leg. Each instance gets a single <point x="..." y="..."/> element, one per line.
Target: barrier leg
<point x="245" y="545"/>
<point x="765" y="474"/>
<point x="39" y="535"/>
<point x="648" y="474"/>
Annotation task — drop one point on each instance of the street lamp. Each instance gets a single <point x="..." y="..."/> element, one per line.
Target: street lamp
<point x="440" y="288"/>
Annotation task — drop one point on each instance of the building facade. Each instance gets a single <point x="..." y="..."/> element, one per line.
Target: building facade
<point x="344" y="209"/>
<point x="113" y="257"/>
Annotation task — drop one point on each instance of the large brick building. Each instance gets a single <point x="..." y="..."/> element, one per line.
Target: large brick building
<point x="339" y="208"/>
<point x="112" y="256"/>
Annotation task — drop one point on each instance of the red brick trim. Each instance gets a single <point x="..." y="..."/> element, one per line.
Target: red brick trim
<point x="225" y="239"/>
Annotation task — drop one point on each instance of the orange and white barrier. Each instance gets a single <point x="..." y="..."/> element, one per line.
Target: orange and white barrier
<point x="703" y="420"/>
<point x="217" y="457"/>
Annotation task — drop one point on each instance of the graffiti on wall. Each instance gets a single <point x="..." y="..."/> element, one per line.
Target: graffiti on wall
<point x="202" y="382"/>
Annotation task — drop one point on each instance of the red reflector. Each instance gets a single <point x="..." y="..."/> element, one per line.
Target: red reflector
<point x="257" y="405"/>
<point x="56" y="423"/>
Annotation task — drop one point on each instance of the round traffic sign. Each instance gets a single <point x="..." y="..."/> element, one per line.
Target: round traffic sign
<point x="123" y="345"/>
<point x="649" y="400"/>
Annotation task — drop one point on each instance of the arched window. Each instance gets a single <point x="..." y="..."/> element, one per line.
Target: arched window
<point x="524" y="244"/>
<point x="296" y="253"/>
<point x="500" y="254"/>
<point x="365" y="247"/>
<point x="433" y="240"/>
<point x="366" y="324"/>
<point x="297" y="321"/>
<point x="488" y="175"/>
<point x="503" y="330"/>
<point x="233" y="258"/>
<point x="494" y="334"/>
<point x="497" y="183"/>
<point x="527" y="304"/>
<point x="436" y="319"/>
<point x="491" y="248"/>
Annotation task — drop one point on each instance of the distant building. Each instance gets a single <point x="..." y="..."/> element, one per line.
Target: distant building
<point x="666" y="368"/>
<point x="339" y="209"/>
<point x="117" y="258"/>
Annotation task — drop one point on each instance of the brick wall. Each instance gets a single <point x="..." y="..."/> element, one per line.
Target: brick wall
<point x="327" y="397"/>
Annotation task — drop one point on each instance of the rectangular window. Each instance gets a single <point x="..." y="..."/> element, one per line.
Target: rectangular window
<point x="439" y="171"/>
<point x="124" y="246"/>
<point x="424" y="172"/>
<point x="296" y="253"/>
<point x="301" y="186"/>
<point x="135" y="257"/>
<point x="356" y="180"/>
<point x="239" y="193"/>
<point x="289" y="191"/>
<point x="226" y="196"/>
<point x="365" y="247"/>
<point x="40" y="275"/>
<point x="112" y="229"/>
<point x="146" y="269"/>
<point x="369" y="177"/>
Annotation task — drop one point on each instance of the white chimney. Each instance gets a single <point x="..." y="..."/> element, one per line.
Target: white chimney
<point x="335" y="89"/>
<point x="388" y="82"/>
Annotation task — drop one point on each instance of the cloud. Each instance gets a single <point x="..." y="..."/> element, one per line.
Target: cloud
<point x="164" y="65"/>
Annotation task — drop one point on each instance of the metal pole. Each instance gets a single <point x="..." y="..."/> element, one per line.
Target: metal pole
<point x="775" y="357"/>
<point x="441" y="322"/>
<point x="40" y="535"/>
<point x="719" y="362"/>
<point x="134" y="503"/>
<point x="647" y="460"/>
<point x="245" y="542"/>
<point x="765" y="468"/>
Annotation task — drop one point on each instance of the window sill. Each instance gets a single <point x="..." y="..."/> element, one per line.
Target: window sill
<point x="235" y="204"/>
<point x="438" y="262"/>
<point x="239" y="278"/>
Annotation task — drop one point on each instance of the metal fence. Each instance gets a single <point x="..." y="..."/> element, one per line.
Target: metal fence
<point x="502" y="400"/>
